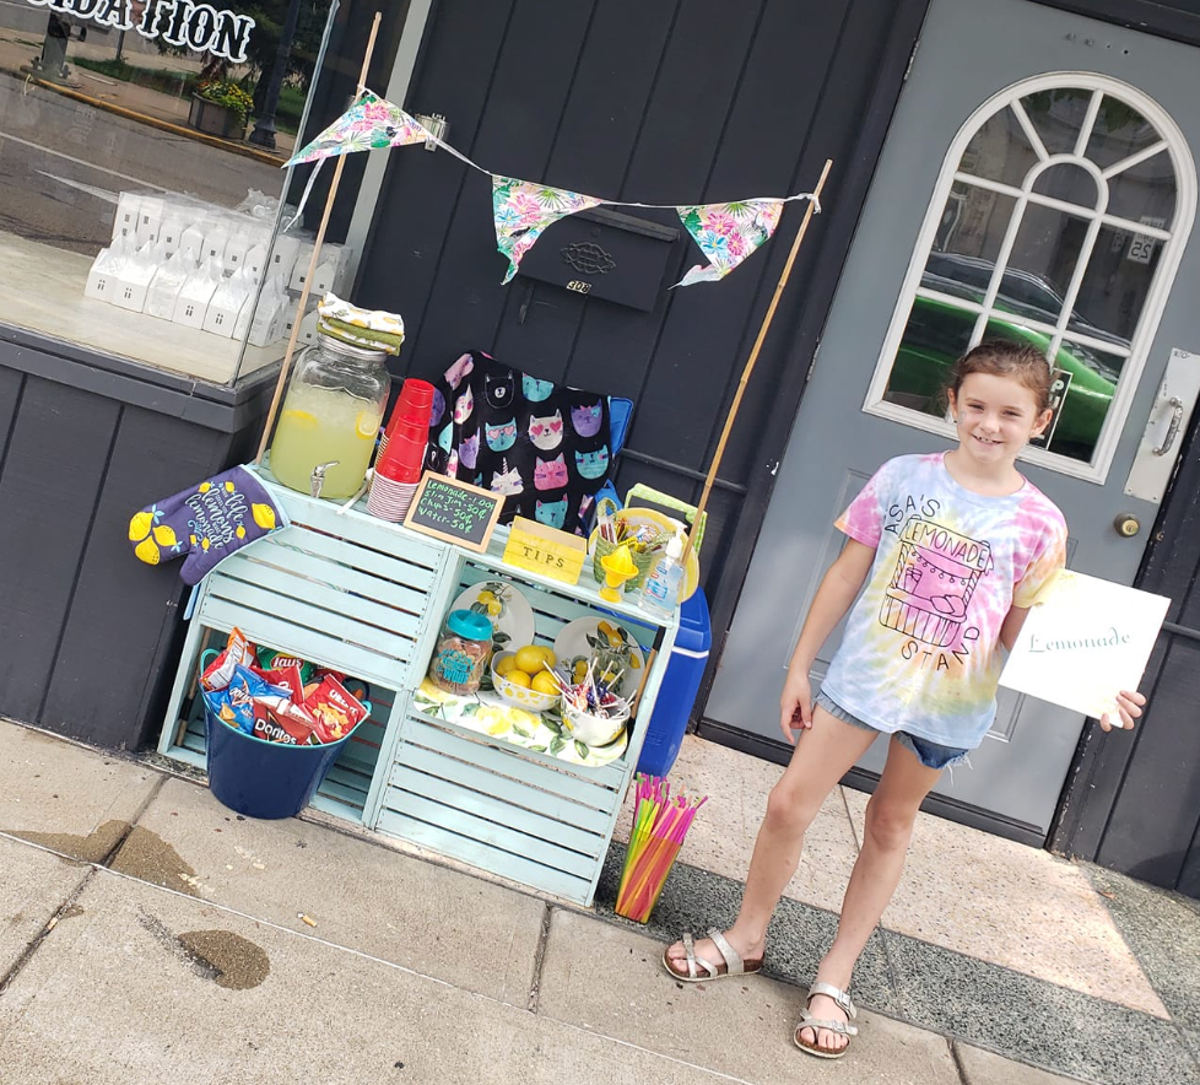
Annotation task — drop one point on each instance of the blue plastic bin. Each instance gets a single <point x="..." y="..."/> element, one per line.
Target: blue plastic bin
<point x="680" y="685"/>
<point x="264" y="779"/>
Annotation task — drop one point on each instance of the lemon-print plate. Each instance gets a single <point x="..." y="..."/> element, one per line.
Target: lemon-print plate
<point x="488" y="715"/>
<point x="605" y="640"/>
<point x="505" y="607"/>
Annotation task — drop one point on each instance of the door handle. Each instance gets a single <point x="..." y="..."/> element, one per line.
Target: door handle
<point x="1172" y="428"/>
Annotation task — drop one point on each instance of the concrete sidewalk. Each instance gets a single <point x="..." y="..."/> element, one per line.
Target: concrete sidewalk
<point x="147" y="932"/>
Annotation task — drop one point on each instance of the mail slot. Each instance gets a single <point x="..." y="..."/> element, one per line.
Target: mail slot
<point x="605" y="254"/>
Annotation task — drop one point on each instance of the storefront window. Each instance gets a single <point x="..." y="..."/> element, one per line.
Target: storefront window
<point x="140" y="166"/>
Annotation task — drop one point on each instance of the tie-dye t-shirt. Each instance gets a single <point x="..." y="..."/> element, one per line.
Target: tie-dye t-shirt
<point x="921" y="652"/>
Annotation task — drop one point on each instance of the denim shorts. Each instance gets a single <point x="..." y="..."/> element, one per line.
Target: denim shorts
<point x="930" y="754"/>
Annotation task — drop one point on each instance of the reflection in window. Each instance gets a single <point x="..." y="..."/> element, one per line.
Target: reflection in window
<point x="137" y="175"/>
<point x="1051" y="234"/>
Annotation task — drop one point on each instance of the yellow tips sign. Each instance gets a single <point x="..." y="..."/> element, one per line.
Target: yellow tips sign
<point x="540" y="549"/>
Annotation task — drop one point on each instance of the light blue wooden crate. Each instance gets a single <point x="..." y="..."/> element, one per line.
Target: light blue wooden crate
<point x="523" y="816"/>
<point x="348" y="592"/>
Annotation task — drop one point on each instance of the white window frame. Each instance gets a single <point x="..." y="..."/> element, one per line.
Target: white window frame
<point x="1174" y="239"/>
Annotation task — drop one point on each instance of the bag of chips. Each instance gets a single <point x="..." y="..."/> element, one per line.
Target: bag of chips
<point x="239" y="652"/>
<point x="271" y="660"/>
<point x="336" y="712"/>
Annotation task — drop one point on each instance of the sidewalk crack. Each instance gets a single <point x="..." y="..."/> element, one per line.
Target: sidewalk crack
<point x="131" y="824"/>
<point x="62" y="911"/>
<point x="539" y="959"/>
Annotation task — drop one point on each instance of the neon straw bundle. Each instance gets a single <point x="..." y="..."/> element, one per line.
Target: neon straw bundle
<point x="660" y="823"/>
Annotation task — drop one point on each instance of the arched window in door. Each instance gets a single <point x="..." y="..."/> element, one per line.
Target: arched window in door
<point x="1058" y="220"/>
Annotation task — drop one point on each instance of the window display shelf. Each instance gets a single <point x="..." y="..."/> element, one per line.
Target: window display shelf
<point x="52" y="302"/>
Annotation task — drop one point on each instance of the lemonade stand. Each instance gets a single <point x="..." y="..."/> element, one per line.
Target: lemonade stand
<point x="485" y="779"/>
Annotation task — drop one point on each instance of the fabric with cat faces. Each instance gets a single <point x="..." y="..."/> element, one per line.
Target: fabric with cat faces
<point x="545" y="446"/>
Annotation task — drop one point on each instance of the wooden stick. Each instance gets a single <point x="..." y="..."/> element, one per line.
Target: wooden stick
<point x="750" y="362"/>
<point x="635" y="703"/>
<point x="314" y="261"/>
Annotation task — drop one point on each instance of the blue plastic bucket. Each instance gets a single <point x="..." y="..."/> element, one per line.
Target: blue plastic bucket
<point x="264" y="779"/>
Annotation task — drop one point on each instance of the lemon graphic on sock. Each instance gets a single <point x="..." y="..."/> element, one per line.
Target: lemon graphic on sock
<point x="264" y="516"/>
<point x="148" y="551"/>
<point x="140" y="525"/>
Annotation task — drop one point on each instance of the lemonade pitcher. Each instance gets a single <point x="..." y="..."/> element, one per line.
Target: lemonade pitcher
<point x="330" y="418"/>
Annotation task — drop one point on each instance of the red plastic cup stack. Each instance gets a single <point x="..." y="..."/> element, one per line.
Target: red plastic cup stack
<point x="402" y="452"/>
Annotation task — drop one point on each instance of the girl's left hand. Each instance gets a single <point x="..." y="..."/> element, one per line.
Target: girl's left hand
<point x="1129" y="708"/>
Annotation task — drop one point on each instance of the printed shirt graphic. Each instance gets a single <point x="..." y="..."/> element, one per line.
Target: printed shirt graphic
<point x="922" y="649"/>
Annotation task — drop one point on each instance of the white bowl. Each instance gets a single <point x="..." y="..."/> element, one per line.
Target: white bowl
<point x="592" y="730"/>
<point x="519" y="696"/>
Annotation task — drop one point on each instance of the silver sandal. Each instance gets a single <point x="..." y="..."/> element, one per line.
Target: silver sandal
<point x="843" y="1028"/>
<point x="733" y="963"/>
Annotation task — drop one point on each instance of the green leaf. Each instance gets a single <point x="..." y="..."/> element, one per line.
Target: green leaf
<point x="582" y="750"/>
<point x="557" y="744"/>
<point x="537" y="749"/>
<point x="521" y="731"/>
<point x="552" y="724"/>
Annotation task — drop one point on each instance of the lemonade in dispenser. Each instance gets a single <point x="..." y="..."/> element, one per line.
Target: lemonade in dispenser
<point x="330" y="418"/>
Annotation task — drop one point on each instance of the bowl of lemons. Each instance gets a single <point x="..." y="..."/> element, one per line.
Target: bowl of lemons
<point x="522" y="678"/>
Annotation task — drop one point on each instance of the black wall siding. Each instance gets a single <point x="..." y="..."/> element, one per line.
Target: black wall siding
<point x="691" y="102"/>
<point x="89" y="635"/>
<point x="54" y="469"/>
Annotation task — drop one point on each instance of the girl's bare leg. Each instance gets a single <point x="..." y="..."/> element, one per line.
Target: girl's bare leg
<point x="822" y="756"/>
<point x="891" y="814"/>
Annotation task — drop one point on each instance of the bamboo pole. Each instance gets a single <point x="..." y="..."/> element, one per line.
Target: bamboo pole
<point x="314" y="260"/>
<point x="750" y="362"/>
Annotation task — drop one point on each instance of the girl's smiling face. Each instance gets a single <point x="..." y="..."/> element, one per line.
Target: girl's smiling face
<point x="995" y="417"/>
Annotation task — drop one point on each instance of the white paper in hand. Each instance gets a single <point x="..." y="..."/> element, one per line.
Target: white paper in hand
<point x="1085" y="643"/>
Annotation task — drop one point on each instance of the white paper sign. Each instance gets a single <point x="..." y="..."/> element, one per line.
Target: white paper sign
<point x="1085" y="643"/>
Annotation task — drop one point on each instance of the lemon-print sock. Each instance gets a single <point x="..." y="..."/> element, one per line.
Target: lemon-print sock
<point x="205" y="523"/>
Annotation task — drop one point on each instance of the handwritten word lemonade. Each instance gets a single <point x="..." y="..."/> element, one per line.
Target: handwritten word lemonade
<point x="331" y="415"/>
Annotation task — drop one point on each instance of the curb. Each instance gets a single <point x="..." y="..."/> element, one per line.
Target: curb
<point x="153" y="122"/>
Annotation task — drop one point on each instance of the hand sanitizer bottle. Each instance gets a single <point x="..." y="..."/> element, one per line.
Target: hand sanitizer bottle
<point x="660" y="594"/>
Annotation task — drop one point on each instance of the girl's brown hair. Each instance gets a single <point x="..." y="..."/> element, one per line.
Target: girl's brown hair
<point x="1000" y="358"/>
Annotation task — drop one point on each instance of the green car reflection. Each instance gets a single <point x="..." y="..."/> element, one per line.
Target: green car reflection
<point x="938" y="333"/>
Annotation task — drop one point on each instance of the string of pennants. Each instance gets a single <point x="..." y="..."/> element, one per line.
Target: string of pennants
<point x="727" y="233"/>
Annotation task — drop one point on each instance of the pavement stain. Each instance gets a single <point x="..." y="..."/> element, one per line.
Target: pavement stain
<point x="228" y="959"/>
<point x="93" y="848"/>
<point x="238" y="962"/>
<point x="146" y="856"/>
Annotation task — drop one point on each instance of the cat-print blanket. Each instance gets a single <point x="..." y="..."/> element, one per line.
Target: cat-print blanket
<point x="544" y="446"/>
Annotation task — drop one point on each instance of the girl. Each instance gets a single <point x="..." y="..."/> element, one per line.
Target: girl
<point x="954" y="548"/>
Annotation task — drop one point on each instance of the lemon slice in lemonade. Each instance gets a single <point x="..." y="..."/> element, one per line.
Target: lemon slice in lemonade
<point x="367" y="425"/>
<point x="303" y="419"/>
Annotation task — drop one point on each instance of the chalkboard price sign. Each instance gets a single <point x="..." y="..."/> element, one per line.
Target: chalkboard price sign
<point x="455" y="511"/>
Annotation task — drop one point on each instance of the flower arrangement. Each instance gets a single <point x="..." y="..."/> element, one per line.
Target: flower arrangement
<point x="227" y="93"/>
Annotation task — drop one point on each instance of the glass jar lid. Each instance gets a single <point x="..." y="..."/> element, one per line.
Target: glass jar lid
<point x="349" y="350"/>
<point x="466" y="623"/>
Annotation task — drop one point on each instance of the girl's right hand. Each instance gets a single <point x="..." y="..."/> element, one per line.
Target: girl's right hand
<point x="795" y="706"/>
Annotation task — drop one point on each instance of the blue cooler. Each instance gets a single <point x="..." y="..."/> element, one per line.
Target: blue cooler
<point x="680" y="685"/>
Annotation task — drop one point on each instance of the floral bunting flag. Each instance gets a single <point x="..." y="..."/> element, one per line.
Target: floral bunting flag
<point x="371" y="123"/>
<point x="727" y="233"/>
<point x="523" y="210"/>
